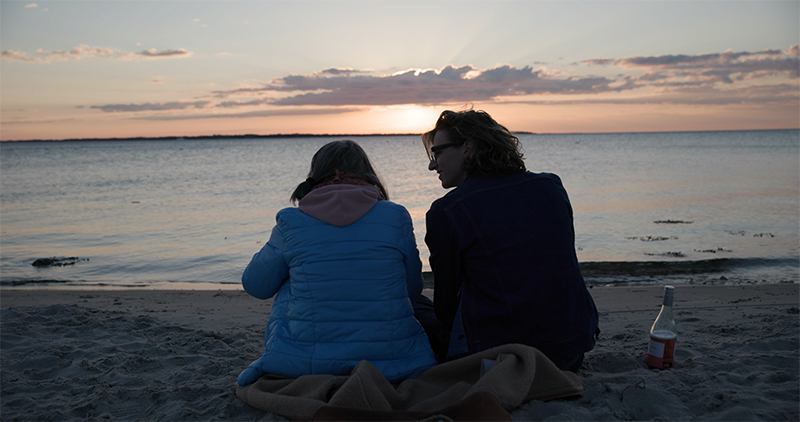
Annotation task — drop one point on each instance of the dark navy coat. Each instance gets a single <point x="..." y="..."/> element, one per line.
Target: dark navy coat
<point x="508" y="244"/>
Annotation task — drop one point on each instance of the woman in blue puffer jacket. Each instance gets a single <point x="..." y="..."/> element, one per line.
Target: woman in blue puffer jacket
<point x="344" y="269"/>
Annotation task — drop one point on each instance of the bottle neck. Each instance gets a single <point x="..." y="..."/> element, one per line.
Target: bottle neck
<point x="669" y="292"/>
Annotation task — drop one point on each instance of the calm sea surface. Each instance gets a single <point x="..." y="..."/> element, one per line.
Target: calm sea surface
<point x="699" y="207"/>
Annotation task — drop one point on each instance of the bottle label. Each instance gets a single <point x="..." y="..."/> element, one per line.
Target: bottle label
<point x="661" y="354"/>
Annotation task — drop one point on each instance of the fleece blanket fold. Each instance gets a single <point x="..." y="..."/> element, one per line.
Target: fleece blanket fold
<point x="446" y="392"/>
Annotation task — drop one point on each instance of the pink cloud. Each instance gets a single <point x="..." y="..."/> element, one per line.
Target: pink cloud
<point x="176" y="105"/>
<point x="84" y="51"/>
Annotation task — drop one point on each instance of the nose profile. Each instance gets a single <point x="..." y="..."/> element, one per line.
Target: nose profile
<point x="432" y="165"/>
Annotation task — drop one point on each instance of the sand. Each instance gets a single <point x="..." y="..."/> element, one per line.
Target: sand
<point x="174" y="355"/>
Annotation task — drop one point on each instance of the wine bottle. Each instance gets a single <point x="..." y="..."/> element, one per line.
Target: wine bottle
<point x="663" y="335"/>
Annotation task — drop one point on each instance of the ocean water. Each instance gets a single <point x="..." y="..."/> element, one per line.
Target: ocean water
<point x="689" y="207"/>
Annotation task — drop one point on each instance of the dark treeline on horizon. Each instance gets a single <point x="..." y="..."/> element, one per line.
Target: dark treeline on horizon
<point x="247" y="136"/>
<point x="309" y="135"/>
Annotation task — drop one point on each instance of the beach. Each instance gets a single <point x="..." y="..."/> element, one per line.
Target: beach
<point x="147" y="354"/>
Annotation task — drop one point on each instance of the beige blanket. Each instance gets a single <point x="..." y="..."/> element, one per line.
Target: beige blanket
<point x="520" y="374"/>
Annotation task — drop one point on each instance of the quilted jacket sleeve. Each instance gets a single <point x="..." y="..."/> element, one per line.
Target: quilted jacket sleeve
<point x="267" y="270"/>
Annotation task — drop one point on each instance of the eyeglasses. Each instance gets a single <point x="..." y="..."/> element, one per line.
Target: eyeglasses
<point x="436" y="149"/>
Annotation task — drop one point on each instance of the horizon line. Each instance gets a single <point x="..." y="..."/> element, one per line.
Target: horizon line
<point x="310" y="135"/>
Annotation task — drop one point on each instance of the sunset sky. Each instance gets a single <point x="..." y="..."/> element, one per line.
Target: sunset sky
<point x="115" y="69"/>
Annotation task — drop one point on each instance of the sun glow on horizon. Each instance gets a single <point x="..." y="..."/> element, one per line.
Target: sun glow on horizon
<point x="399" y="119"/>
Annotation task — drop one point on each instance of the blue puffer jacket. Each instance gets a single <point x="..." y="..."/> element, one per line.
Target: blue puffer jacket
<point x="343" y="288"/>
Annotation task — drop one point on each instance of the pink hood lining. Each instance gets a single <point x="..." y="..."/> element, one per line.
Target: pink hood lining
<point x="340" y="204"/>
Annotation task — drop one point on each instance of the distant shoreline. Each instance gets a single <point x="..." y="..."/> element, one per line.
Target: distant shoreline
<point x="329" y="135"/>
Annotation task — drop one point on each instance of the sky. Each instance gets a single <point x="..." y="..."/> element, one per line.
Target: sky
<point x="120" y="69"/>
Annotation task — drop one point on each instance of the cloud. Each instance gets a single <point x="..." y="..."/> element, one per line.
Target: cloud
<point x="258" y="113"/>
<point x="181" y="52"/>
<point x="176" y="105"/>
<point x="155" y="54"/>
<point x="335" y="87"/>
<point x="77" y="53"/>
<point x="84" y="51"/>
<point x="714" y="68"/>
<point x="776" y="95"/>
<point x="336" y="71"/>
<point x="37" y="121"/>
<point x="32" y="5"/>
<point x="238" y="104"/>
<point x="18" y="56"/>
<point x="768" y="77"/>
